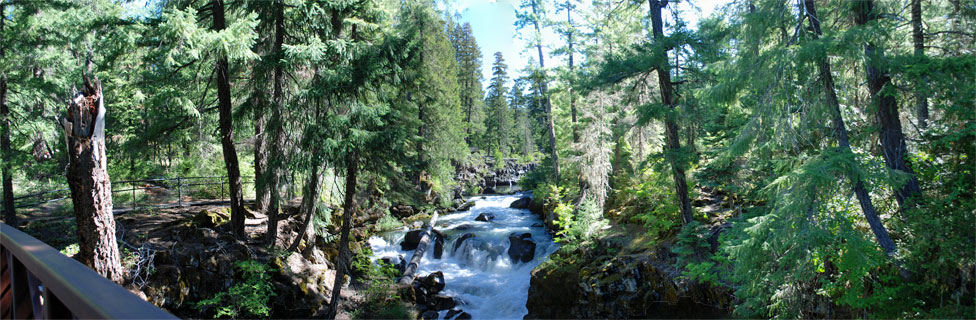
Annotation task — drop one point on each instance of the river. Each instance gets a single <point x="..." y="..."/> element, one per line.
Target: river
<point x="480" y="272"/>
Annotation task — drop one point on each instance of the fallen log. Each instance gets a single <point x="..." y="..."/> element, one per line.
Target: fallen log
<point x="421" y="250"/>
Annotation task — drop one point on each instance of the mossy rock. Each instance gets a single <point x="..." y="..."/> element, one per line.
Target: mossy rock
<point x="211" y="218"/>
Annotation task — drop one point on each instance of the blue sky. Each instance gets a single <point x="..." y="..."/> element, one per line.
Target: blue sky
<point x="493" y="23"/>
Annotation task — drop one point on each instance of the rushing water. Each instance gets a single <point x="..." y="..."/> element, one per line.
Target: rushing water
<point x="480" y="273"/>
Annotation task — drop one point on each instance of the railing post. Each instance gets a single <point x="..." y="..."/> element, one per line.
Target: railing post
<point x="179" y="190"/>
<point x="133" y="187"/>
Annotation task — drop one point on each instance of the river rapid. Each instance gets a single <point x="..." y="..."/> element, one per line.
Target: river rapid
<point x="479" y="272"/>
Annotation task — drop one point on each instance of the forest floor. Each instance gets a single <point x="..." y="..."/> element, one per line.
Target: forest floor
<point x="179" y="242"/>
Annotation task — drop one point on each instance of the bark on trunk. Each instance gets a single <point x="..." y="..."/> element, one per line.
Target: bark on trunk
<point x="892" y="139"/>
<point x="9" y="212"/>
<point x="544" y="87"/>
<point x="673" y="143"/>
<point x="261" y="191"/>
<point x="226" y="123"/>
<point x="918" y="41"/>
<point x="342" y="264"/>
<point x="277" y="136"/>
<point x="840" y="133"/>
<point x="91" y="189"/>
<point x="572" y="76"/>
<point x="310" y="196"/>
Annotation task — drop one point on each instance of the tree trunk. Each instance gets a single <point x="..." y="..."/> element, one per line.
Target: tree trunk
<point x="310" y="196"/>
<point x="673" y="143"/>
<point x="840" y="133"/>
<point x="572" y="76"/>
<point x="261" y="191"/>
<point x="918" y="41"/>
<point x="342" y="264"/>
<point x="9" y="212"/>
<point x="91" y="189"/>
<point x="276" y="125"/>
<point x="226" y="123"/>
<point x="544" y="87"/>
<point x="892" y="139"/>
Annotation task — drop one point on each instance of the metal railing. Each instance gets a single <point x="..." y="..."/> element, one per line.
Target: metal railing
<point x="37" y="281"/>
<point x="146" y="193"/>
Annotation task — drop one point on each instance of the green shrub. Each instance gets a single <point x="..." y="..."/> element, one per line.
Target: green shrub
<point x="576" y="224"/>
<point x="381" y="299"/>
<point x="248" y="297"/>
<point x="387" y="223"/>
<point x="499" y="158"/>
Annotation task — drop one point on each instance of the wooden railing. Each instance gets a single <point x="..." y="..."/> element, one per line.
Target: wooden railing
<point x="37" y="281"/>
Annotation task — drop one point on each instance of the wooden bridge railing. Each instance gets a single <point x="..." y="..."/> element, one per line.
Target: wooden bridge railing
<point x="37" y="281"/>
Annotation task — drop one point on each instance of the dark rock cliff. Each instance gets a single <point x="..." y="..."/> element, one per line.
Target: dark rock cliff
<point x="605" y="280"/>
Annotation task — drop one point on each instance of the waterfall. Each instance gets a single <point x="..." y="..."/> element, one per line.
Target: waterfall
<point x="479" y="271"/>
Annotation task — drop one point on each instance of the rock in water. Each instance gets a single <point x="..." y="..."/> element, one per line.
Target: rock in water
<point x="433" y="282"/>
<point x="463" y="316"/>
<point x="460" y="241"/>
<point x="411" y="240"/>
<point x="485" y="217"/>
<point x="465" y="206"/>
<point x="522" y="203"/>
<point x="442" y="302"/>
<point x="438" y="246"/>
<point x="452" y="313"/>
<point x="429" y="315"/>
<point x="522" y="247"/>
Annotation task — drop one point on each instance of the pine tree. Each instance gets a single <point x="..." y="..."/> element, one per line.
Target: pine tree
<point x="499" y="122"/>
<point x="668" y="99"/>
<point x="569" y="31"/>
<point x="91" y="188"/>
<point x="892" y="139"/>
<point x="9" y="212"/>
<point x="469" y="60"/>
<point x="534" y="15"/>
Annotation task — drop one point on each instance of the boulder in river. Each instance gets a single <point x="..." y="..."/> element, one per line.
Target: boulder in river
<point x="485" y="217"/>
<point x="429" y="315"/>
<point x="453" y="312"/>
<point x="460" y="241"/>
<point x="488" y="190"/>
<point x="433" y="283"/>
<point x="411" y="240"/>
<point x="463" y="227"/>
<point x="443" y="302"/>
<point x="465" y="206"/>
<point x="521" y="203"/>
<point x="438" y="245"/>
<point x="522" y="247"/>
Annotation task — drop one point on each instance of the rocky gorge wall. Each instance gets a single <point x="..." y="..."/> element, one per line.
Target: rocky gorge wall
<point x="607" y="280"/>
<point x="483" y="176"/>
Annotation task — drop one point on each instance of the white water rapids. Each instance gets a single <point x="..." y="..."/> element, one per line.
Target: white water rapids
<point x="480" y="274"/>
